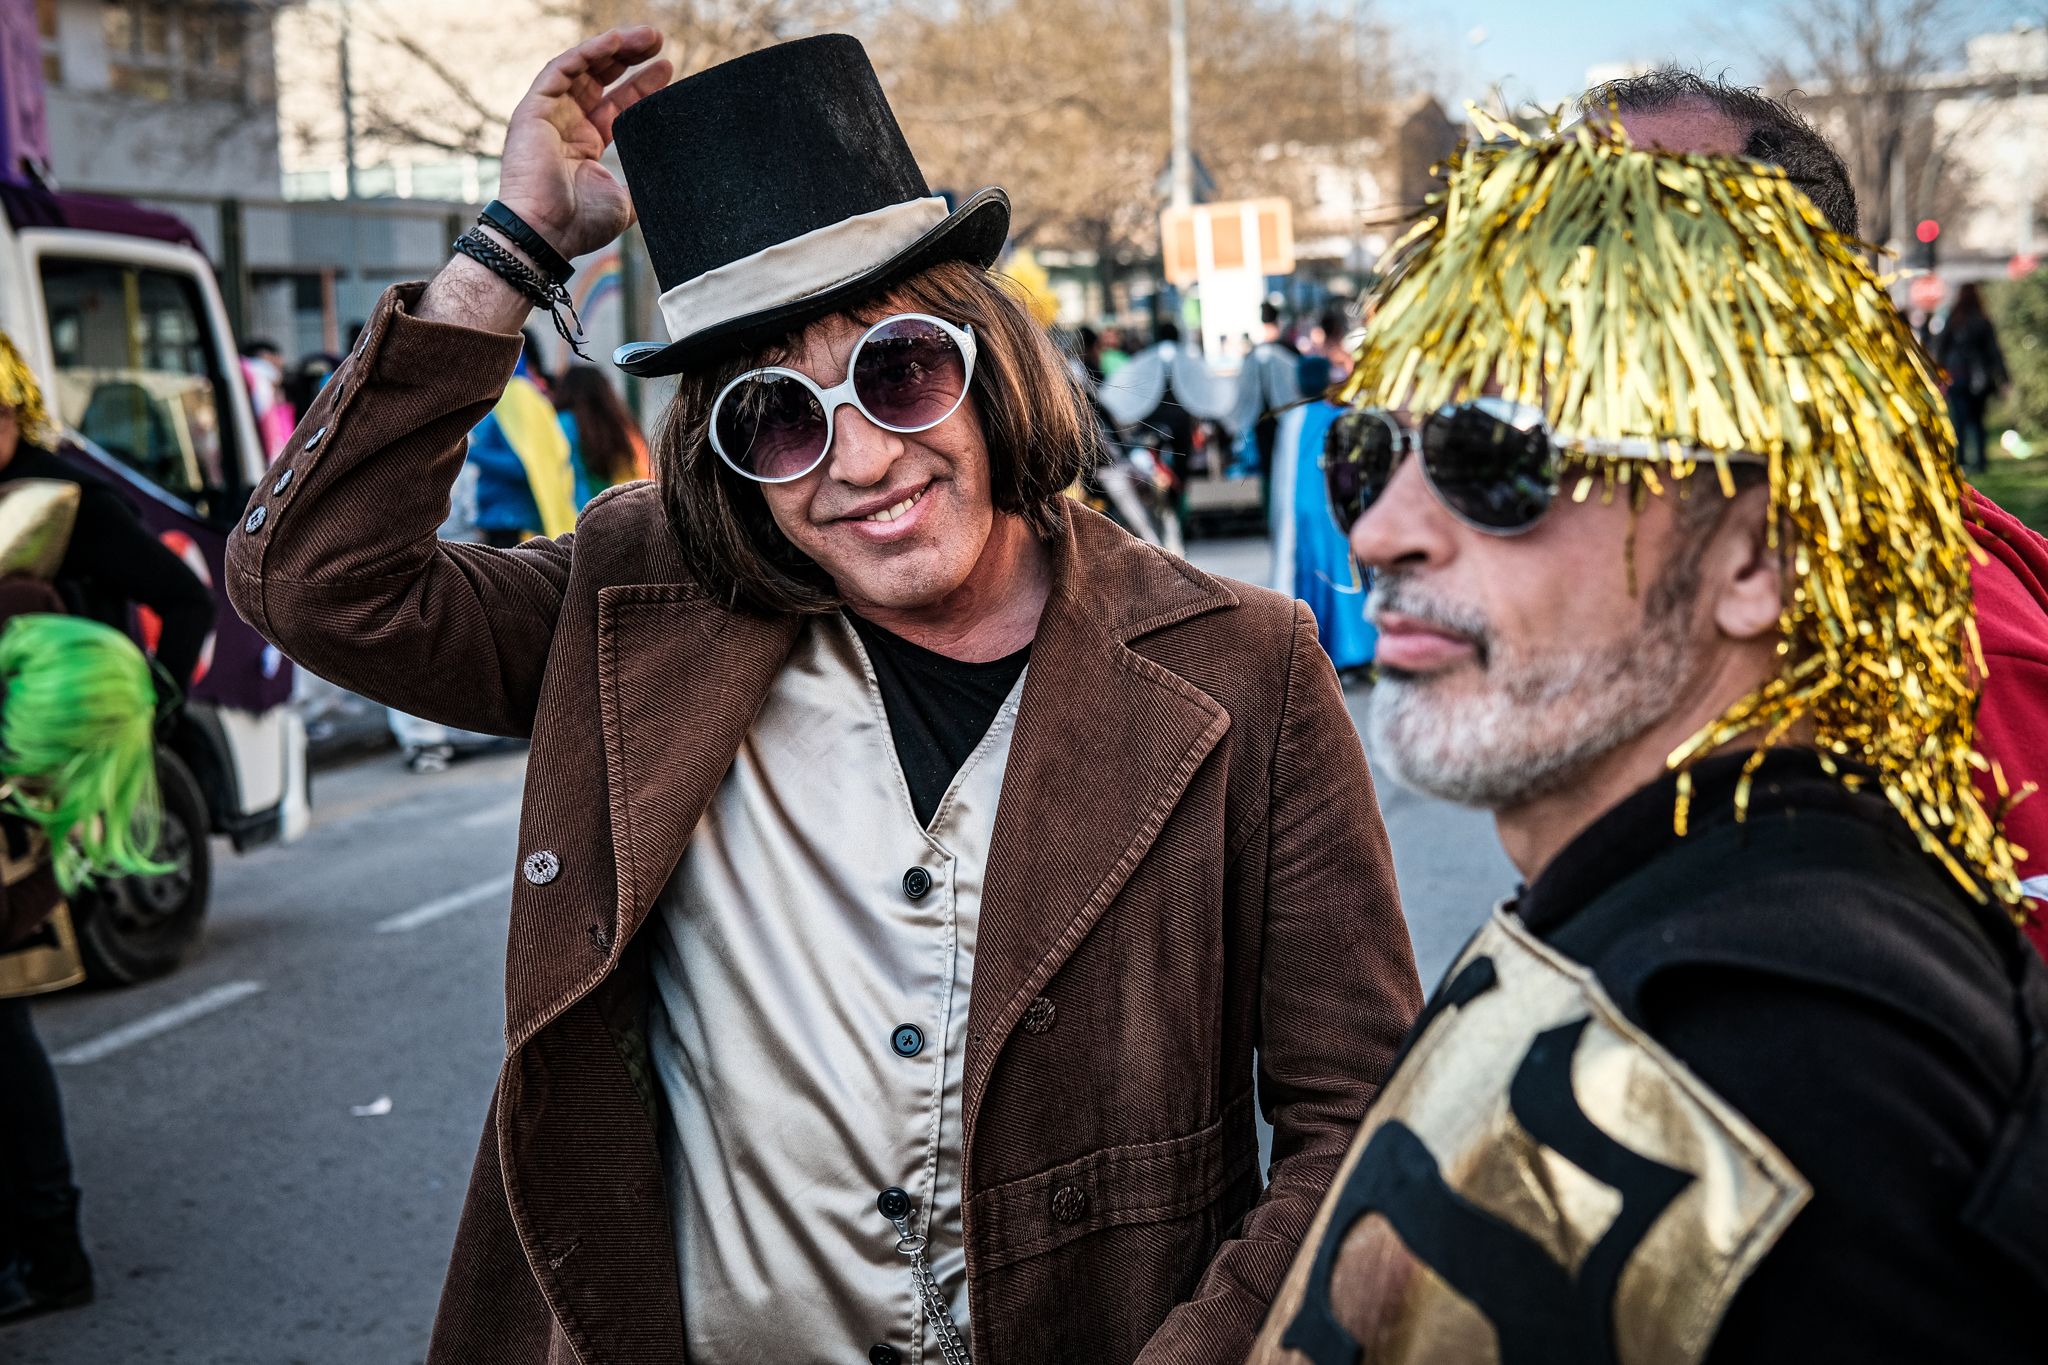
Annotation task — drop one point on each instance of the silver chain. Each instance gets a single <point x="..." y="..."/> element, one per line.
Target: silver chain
<point x="936" y="1313"/>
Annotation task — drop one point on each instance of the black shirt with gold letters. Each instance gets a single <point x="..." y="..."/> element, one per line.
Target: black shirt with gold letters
<point x="1794" y="1034"/>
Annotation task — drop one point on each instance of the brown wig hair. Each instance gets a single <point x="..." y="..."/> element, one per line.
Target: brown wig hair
<point x="1034" y="422"/>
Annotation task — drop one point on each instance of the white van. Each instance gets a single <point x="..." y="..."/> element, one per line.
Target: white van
<point x="121" y="318"/>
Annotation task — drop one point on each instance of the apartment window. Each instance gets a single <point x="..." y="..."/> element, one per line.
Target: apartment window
<point x="138" y="37"/>
<point x="214" y="51"/>
<point x="46" y="29"/>
<point x="158" y="51"/>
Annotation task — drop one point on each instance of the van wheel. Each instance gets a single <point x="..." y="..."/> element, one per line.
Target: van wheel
<point x="133" y="928"/>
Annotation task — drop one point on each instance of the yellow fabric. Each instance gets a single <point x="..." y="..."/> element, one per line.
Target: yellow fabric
<point x="528" y="420"/>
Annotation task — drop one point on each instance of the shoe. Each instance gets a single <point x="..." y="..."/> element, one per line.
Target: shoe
<point x="14" y="1298"/>
<point x="54" y="1272"/>
<point x="431" y="758"/>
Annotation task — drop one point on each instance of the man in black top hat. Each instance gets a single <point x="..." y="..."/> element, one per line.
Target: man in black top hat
<point x="913" y="863"/>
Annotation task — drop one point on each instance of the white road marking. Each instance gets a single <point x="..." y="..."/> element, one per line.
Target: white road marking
<point x="491" y="815"/>
<point x="407" y="920"/>
<point x="163" y="1021"/>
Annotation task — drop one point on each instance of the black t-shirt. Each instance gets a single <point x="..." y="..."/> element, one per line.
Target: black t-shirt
<point x="939" y="708"/>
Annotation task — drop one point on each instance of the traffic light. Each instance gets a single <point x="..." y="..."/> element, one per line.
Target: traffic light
<point x="1929" y="232"/>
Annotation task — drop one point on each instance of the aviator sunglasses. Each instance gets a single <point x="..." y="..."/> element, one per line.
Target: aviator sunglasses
<point x="1490" y="462"/>
<point x="907" y="373"/>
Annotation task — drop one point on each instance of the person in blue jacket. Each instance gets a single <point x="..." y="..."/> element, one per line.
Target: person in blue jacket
<point x="506" y="512"/>
<point x="1311" y="558"/>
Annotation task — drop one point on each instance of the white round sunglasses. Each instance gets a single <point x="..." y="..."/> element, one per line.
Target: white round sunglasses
<point x="907" y="373"/>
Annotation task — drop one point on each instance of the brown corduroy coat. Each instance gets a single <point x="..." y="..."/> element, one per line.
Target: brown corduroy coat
<point x="1188" y="864"/>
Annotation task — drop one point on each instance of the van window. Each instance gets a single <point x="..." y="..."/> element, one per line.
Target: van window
<point x="137" y="372"/>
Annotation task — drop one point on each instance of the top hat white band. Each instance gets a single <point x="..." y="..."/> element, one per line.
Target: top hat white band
<point x="798" y="268"/>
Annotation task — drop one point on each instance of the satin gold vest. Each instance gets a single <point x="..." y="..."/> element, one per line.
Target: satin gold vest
<point x="1539" y="1181"/>
<point x="789" y="959"/>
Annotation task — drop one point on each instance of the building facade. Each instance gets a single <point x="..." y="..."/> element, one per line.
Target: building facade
<point x="145" y="96"/>
<point x="1991" y="124"/>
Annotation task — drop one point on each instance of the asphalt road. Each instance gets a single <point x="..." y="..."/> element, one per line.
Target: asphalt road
<point x="274" y="1141"/>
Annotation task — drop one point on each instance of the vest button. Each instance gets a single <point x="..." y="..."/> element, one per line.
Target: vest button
<point x="541" y="868"/>
<point x="881" y="1353"/>
<point x="1069" y="1204"/>
<point x="908" y="1040"/>
<point x="916" y="883"/>
<point x="893" y="1204"/>
<point x="1038" y="1016"/>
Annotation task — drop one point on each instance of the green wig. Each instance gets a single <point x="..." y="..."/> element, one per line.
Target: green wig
<point x="77" y="744"/>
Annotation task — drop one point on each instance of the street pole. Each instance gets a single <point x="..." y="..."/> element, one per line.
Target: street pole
<point x="348" y="111"/>
<point x="1354" y="118"/>
<point x="1183" y="155"/>
<point x="1895" y="240"/>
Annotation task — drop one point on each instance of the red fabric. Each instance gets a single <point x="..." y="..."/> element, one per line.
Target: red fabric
<point x="2011" y="588"/>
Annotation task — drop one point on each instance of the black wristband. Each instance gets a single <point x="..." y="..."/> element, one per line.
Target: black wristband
<point x="521" y="234"/>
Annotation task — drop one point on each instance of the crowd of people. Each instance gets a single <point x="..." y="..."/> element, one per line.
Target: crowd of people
<point x="924" y="882"/>
<point x="1264" y="419"/>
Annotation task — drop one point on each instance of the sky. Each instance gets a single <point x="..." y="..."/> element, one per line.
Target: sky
<point x="1540" y="51"/>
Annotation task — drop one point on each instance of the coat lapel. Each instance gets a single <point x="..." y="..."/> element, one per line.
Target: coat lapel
<point x="1106" y="743"/>
<point x="680" y="681"/>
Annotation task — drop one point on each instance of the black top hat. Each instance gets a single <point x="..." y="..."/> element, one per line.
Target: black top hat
<point x="776" y="189"/>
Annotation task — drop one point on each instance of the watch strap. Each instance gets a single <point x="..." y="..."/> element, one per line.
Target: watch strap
<point x="521" y="234"/>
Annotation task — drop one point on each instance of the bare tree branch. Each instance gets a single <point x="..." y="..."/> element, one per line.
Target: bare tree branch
<point x="450" y="84"/>
<point x="1861" y="68"/>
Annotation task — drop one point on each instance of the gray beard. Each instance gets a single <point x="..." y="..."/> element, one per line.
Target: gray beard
<point x="1545" y="720"/>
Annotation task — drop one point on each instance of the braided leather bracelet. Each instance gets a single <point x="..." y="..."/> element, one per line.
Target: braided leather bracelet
<point x="524" y="278"/>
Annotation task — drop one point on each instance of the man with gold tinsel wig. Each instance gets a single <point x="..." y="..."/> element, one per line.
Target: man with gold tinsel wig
<point x="1672" y="576"/>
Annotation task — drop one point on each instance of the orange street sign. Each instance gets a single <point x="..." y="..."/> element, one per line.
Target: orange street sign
<point x="1238" y="235"/>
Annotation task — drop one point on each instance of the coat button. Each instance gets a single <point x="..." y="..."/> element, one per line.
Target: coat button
<point x="284" y="481"/>
<point x="916" y="883"/>
<point x="316" y="438"/>
<point x="1038" y="1016"/>
<point x="541" y="868"/>
<point x="1068" y="1204"/>
<point x="256" y="520"/>
<point x="908" y="1040"/>
<point x="882" y="1353"/>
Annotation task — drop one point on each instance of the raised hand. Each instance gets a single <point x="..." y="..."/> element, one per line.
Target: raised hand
<point x="552" y="174"/>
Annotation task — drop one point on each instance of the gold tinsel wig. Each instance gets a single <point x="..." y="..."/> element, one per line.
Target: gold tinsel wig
<point x="19" y="391"/>
<point x="1703" y="304"/>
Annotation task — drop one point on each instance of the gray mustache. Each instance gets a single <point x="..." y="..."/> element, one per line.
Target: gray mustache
<point x="1397" y="593"/>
